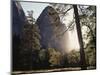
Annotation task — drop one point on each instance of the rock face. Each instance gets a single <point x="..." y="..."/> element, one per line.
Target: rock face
<point x="18" y="21"/>
<point x="50" y="27"/>
<point x="18" y="18"/>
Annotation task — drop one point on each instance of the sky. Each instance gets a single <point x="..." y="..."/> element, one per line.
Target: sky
<point x="36" y="7"/>
<point x="71" y="36"/>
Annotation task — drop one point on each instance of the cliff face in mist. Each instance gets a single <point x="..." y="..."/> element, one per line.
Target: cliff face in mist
<point x="18" y="22"/>
<point x="18" y="18"/>
<point x="50" y="29"/>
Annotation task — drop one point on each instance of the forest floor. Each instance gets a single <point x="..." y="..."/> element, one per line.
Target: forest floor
<point x="46" y="71"/>
<point x="50" y="70"/>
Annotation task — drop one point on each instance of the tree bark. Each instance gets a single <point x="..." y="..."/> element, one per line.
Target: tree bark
<point x="79" y="33"/>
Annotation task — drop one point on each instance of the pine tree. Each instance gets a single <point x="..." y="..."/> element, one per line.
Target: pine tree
<point x="30" y="46"/>
<point x="82" y="53"/>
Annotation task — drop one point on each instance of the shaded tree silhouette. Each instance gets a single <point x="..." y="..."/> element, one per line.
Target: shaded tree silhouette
<point x="82" y="53"/>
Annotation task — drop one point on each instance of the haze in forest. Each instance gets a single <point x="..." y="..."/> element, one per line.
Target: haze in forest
<point x="70" y="37"/>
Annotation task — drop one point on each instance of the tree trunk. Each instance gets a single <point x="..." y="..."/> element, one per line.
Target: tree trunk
<point x="79" y="33"/>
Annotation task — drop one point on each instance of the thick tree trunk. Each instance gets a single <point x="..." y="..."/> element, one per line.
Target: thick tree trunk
<point x="79" y="33"/>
